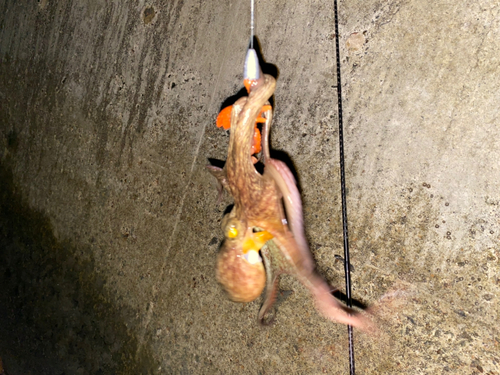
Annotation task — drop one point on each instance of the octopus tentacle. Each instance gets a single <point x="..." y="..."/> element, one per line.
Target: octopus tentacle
<point x="293" y="205"/>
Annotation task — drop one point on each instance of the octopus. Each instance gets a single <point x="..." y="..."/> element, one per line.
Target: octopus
<point x="264" y="231"/>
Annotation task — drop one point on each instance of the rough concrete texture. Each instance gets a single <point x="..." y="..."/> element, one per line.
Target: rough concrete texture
<point x="110" y="222"/>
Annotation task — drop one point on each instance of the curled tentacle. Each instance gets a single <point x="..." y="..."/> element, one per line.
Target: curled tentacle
<point x="265" y="134"/>
<point x="291" y="197"/>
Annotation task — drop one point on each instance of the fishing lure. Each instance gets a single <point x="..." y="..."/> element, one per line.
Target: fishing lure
<point x="251" y="76"/>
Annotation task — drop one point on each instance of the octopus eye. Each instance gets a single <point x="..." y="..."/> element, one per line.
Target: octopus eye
<point x="232" y="232"/>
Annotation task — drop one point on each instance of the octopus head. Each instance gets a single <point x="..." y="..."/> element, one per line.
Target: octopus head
<point x="239" y="266"/>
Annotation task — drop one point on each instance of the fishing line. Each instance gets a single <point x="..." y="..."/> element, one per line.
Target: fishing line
<point x="252" y="14"/>
<point x="347" y="268"/>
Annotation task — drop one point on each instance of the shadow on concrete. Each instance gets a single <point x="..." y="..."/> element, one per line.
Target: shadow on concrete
<point x="56" y="316"/>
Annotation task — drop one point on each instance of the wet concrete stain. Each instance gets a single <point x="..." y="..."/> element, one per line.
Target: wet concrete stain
<point x="148" y="15"/>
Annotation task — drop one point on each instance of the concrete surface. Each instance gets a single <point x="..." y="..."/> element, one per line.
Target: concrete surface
<point x="110" y="223"/>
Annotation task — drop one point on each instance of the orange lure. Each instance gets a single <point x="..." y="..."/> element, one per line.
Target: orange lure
<point x="224" y="119"/>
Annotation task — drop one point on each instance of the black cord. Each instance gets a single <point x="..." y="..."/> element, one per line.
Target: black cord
<point x="347" y="262"/>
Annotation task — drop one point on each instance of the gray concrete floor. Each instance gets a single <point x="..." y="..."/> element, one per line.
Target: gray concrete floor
<point x="110" y="224"/>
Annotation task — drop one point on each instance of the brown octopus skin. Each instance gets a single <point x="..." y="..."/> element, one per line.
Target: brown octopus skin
<point x="243" y="281"/>
<point x="257" y="204"/>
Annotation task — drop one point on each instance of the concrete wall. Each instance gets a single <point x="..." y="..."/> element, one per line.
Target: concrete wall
<point x="110" y="223"/>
